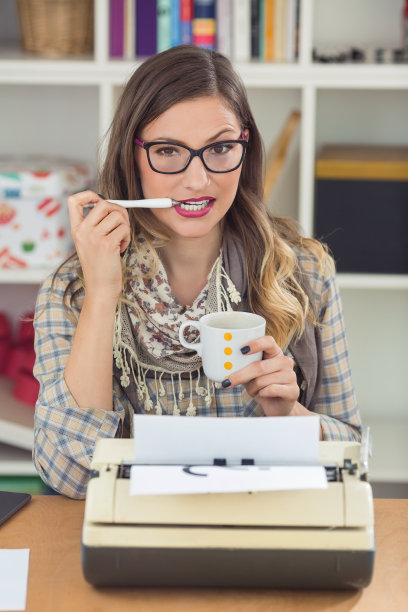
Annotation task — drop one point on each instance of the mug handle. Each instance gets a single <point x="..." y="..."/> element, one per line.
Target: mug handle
<point x="196" y="346"/>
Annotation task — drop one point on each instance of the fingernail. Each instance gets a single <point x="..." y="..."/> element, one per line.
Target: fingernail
<point x="245" y="350"/>
<point x="226" y="383"/>
<point x="101" y="196"/>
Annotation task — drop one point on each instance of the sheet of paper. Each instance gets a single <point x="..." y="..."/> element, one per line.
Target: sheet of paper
<point x="176" y="480"/>
<point x="13" y="578"/>
<point x="181" y="440"/>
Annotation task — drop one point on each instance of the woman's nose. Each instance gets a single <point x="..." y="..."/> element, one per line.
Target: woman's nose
<point x="195" y="176"/>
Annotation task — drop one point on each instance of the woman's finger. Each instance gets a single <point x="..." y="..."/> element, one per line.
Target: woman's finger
<point x="110" y="222"/>
<point x="266" y="344"/>
<point x="261" y="368"/>
<point x="282" y="377"/>
<point x="289" y="393"/>
<point x="76" y="203"/>
<point x="119" y="237"/>
<point x="102" y="209"/>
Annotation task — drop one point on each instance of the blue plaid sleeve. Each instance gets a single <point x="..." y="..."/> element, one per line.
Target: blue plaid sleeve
<point x="336" y="404"/>
<point x="64" y="434"/>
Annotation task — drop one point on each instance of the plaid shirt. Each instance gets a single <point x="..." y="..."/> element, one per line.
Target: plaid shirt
<point x="65" y="435"/>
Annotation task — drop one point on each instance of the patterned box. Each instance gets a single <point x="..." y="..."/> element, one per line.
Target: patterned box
<point x="34" y="220"/>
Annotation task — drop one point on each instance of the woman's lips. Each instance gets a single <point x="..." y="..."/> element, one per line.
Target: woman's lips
<point x="195" y="201"/>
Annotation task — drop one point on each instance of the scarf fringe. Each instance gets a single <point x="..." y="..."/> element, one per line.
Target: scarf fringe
<point x="127" y="360"/>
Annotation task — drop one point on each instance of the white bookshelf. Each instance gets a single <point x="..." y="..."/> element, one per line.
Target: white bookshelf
<point x="16" y="434"/>
<point x="28" y="276"/>
<point x="338" y="103"/>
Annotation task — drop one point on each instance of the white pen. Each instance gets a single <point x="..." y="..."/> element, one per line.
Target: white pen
<point x="148" y="203"/>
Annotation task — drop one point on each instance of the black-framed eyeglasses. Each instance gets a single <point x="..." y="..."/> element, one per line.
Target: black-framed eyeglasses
<point x="171" y="158"/>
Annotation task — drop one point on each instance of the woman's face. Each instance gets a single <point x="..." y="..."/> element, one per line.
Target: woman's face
<point x="194" y="123"/>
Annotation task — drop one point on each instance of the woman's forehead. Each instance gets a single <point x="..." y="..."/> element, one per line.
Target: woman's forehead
<point x="206" y="116"/>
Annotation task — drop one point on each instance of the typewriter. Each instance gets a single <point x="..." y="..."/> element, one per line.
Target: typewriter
<point x="304" y="539"/>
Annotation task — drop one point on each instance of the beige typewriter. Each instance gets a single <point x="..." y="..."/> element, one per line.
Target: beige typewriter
<point x="308" y="539"/>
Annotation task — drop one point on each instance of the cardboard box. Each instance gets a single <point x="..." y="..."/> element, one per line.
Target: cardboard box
<point x="34" y="220"/>
<point x="361" y="209"/>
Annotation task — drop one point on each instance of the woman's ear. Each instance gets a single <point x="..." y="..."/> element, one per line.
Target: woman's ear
<point x="246" y="132"/>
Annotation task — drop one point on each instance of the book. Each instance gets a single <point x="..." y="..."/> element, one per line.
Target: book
<point x="269" y="30"/>
<point x="255" y="27"/>
<point x="223" y="20"/>
<point x="129" y="30"/>
<point x="116" y="28"/>
<point x="262" y="11"/>
<point x="186" y="22"/>
<point x="204" y="24"/>
<point x="163" y="25"/>
<point x="290" y="51"/>
<point x="241" y="30"/>
<point x="175" y="23"/>
<point x="146" y="24"/>
<point x="280" y="30"/>
<point x="297" y="30"/>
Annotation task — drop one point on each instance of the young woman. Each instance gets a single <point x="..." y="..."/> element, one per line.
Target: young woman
<point x="107" y="322"/>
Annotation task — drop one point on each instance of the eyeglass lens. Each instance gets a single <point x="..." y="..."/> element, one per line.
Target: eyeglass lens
<point x="220" y="157"/>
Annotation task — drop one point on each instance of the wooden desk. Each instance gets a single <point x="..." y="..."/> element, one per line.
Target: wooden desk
<point x="51" y="528"/>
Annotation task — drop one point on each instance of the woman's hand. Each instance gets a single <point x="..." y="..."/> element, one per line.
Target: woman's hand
<point x="99" y="238"/>
<point x="271" y="381"/>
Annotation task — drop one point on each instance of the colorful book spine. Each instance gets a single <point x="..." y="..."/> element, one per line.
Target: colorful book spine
<point x="204" y="31"/>
<point x="175" y="23"/>
<point x="186" y="21"/>
<point x="146" y="22"/>
<point x="241" y="30"/>
<point x="255" y="28"/>
<point x="163" y="25"/>
<point x="116" y="31"/>
<point x="223" y="19"/>
<point x="262" y="29"/>
<point x="130" y="30"/>
<point x="290" y="30"/>
<point x="280" y="30"/>
<point x="269" y="30"/>
<point x="297" y="30"/>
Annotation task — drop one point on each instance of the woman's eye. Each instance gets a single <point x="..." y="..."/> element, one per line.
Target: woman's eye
<point x="167" y="151"/>
<point x="220" y="148"/>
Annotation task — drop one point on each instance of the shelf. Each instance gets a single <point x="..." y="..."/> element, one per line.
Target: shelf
<point x="28" y="276"/>
<point x="16" y="418"/>
<point x="389" y="462"/>
<point x="372" y="281"/>
<point x="254" y="74"/>
<point x="16" y="461"/>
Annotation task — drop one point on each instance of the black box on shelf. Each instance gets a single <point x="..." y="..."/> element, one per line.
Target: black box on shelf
<point x="361" y="208"/>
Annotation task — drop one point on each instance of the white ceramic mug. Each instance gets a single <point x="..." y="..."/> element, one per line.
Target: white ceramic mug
<point x="222" y="335"/>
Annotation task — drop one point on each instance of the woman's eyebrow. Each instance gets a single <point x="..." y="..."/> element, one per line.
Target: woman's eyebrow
<point x="224" y="131"/>
<point x="180" y="142"/>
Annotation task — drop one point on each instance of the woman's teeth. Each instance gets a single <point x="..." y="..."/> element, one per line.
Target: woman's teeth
<point x="195" y="206"/>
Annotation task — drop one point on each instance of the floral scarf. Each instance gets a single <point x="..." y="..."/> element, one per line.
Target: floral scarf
<point x="146" y="339"/>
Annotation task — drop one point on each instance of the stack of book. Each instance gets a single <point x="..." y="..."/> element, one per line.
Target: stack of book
<point x="244" y="30"/>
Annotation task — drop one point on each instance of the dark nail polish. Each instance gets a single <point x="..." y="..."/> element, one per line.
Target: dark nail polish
<point x="245" y="350"/>
<point x="101" y="196"/>
<point x="226" y="383"/>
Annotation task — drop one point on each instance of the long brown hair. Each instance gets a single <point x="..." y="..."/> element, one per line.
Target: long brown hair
<point x="184" y="73"/>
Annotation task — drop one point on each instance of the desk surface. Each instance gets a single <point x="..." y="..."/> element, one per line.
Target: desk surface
<point x="51" y="527"/>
